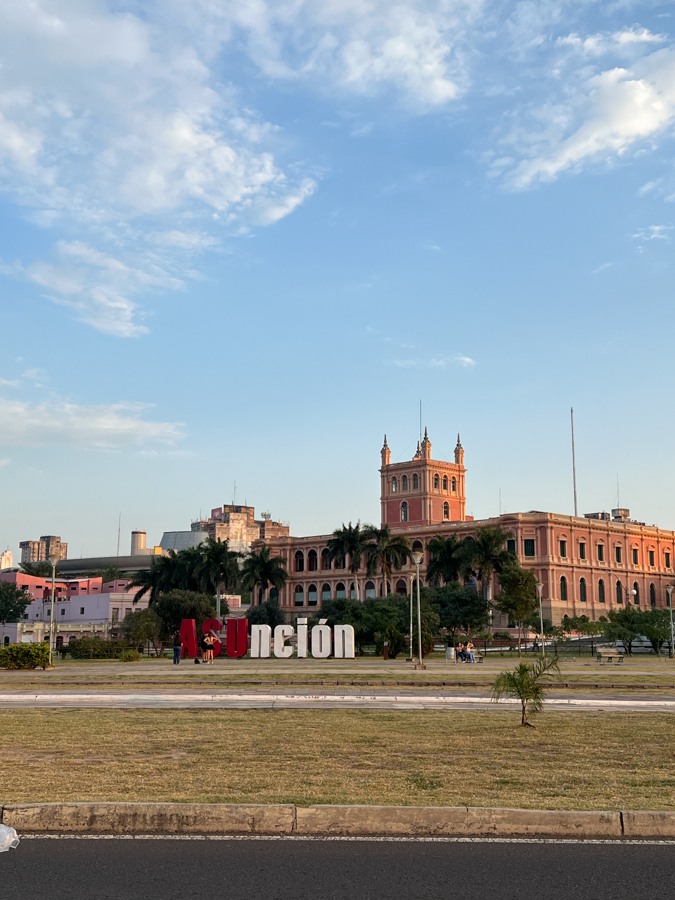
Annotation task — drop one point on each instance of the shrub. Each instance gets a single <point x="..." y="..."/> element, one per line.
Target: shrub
<point x="395" y="640"/>
<point x="94" y="648"/>
<point x="130" y="656"/>
<point x="24" y="656"/>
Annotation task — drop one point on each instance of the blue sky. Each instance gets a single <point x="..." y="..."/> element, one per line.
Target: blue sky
<point x="240" y="241"/>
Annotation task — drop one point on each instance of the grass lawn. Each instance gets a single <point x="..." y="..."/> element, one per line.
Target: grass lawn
<point x="570" y="761"/>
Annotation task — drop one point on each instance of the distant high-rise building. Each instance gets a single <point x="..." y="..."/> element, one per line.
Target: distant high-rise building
<point x="39" y="551"/>
<point x="6" y="560"/>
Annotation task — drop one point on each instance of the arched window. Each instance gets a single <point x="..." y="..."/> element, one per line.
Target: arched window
<point x="418" y="547"/>
<point x="416" y="482"/>
<point x="446" y="510"/>
<point x="582" y="591"/>
<point x="394" y="484"/>
<point x="619" y="593"/>
<point x="601" y="591"/>
<point x="636" y="595"/>
<point x="370" y="589"/>
<point x="299" y="595"/>
<point x="312" y="595"/>
<point x="437" y="482"/>
<point x="340" y="591"/>
<point x="652" y="595"/>
<point x="312" y="561"/>
<point x="453" y="485"/>
<point x="6" y="639"/>
<point x="404" y="483"/>
<point x="404" y="511"/>
<point x="445" y="482"/>
<point x="274" y="594"/>
<point x="325" y="593"/>
<point x="401" y="587"/>
<point x="352" y="591"/>
<point x="325" y="559"/>
<point x="299" y="561"/>
<point x="563" y="589"/>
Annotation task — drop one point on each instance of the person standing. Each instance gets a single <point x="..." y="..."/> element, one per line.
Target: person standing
<point x="177" y="648"/>
<point x="207" y="648"/>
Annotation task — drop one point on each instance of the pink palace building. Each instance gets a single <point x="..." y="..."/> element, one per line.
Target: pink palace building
<point x="587" y="564"/>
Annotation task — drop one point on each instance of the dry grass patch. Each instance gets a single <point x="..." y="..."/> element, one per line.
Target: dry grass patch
<point x="571" y="761"/>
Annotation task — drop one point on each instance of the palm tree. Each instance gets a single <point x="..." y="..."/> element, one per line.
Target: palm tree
<point x="188" y="565"/>
<point x="350" y="541"/>
<point x="263" y="569"/>
<point x="161" y="577"/>
<point x="218" y="568"/>
<point x="37" y="570"/>
<point x="484" y="555"/>
<point x="525" y="683"/>
<point x="444" y="564"/>
<point x="386" y="550"/>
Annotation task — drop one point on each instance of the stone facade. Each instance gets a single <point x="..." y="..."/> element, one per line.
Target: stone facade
<point x="587" y="564"/>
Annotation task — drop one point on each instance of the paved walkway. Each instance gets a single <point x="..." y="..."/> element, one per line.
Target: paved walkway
<point x="302" y="698"/>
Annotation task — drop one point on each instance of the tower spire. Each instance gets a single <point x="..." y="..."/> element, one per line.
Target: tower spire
<point x="426" y="445"/>
<point x="459" y="452"/>
<point x="385" y="453"/>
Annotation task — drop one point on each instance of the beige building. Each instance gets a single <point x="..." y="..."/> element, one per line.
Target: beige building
<point x="39" y="551"/>
<point x="239" y="526"/>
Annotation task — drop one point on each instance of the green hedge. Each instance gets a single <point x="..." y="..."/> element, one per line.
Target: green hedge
<point x="94" y="648"/>
<point x="24" y="656"/>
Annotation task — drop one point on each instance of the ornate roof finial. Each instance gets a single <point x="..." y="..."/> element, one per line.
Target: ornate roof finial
<point x="385" y="441"/>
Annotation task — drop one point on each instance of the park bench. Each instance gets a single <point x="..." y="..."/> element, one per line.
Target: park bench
<point x="610" y="656"/>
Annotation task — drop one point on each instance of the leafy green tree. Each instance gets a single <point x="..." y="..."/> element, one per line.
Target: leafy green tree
<point x="395" y="641"/>
<point x="484" y="555"/>
<point x="175" y="606"/>
<point x="218" y="569"/>
<point x="462" y="609"/>
<point x="110" y="573"/>
<point x="267" y="613"/>
<point x="518" y="596"/>
<point x="13" y="602"/>
<point x="37" y="569"/>
<point x="623" y="625"/>
<point x="385" y="550"/>
<point x="582" y="625"/>
<point x="349" y="542"/>
<point x="444" y="562"/>
<point x="655" y="625"/>
<point x="144" y="626"/>
<point x="527" y="683"/>
<point x="263" y="569"/>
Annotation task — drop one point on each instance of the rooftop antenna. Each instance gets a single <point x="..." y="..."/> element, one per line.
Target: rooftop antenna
<point x="574" y="464"/>
<point x="618" y="496"/>
<point x="420" y="420"/>
<point x="234" y="494"/>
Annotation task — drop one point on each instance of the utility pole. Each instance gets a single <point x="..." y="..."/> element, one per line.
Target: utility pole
<point x="574" y="465"/>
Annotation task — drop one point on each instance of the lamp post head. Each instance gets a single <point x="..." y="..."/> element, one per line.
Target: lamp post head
<point x="54" y="560"/>
<point x="417" y="557"/>
<point x="540" y="587"/>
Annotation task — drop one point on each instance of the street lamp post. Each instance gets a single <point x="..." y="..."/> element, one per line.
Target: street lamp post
<point x="411" y="626"/>
<point x="417" y="559"/>
<point x="540" y="588"/>
<point x="53" y="561"/>
<point x="669" y="592"/>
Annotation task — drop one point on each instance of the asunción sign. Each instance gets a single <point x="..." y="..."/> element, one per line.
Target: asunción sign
<point x="321" y="641"/>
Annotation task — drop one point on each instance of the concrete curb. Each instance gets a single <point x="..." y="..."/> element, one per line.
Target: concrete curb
<point x="376" y="821"/>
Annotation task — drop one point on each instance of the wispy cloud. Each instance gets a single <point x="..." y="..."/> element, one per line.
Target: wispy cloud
<point x="4" y="462"/>
<point x="465" y="361"/>
<point x="654" y="233"/>
<point x="103" y="426"/>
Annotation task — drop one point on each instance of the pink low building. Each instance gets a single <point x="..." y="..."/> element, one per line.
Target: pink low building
<point x="587" y="564"/>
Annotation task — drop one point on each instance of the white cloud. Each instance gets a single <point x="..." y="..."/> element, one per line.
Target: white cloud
<point x="603" y="119"/>
<point x="465" y="361"/>
<point x="6" y="383"/>
<point x="4" y="462"/>
<point x="654" y="233"/>
<point x="103" y="426"/>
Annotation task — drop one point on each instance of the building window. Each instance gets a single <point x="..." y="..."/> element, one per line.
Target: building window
<point x="652" y="595"/>
<point x="312" y="595"/>
<point x="563" y="548"/>
<point x="636" y="595"/>
<point x="617" y="554"/>
<point x="340" y="591"/>
<point x="437" y="482"/>
<point x="325" y="593"/>
<point x="325" y="559"/>
<point x="445" y="482"/>
<point x="82" y="610"/>
<point x="601" y="552"/>
<point x="601" y="591"/>
<point x="563" y="589"/>
<point x="370" y="589"/>
<point x="299" y="595"/>
<point x="416" y="482"/>
<point x="63" y="612"/>
<point x="453" y="485"/>
<point x="446" y="510"/>
<point x="418" y="547"/>
<point x="511" y="546"/>
<point x="401" y="587"/>
<point x="404" y="511"/>
<point x="666" y="558"/>
<point x="352" y="591"/>
<point x="582" y="590"/>
<point x="528" y="546"/>
<point x="394" y="484"/>
<point x="404" y="485"/>
<point x="652" y="560"/>
<point x="312" y="561"/>
<point x="636" y="558"/>
<point x="582" y="550"/>
<point x="299" y="561"/>
<point x="619" y="593"/>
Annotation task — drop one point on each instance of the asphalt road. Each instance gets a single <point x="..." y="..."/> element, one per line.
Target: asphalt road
<point x="69" y="869"/>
